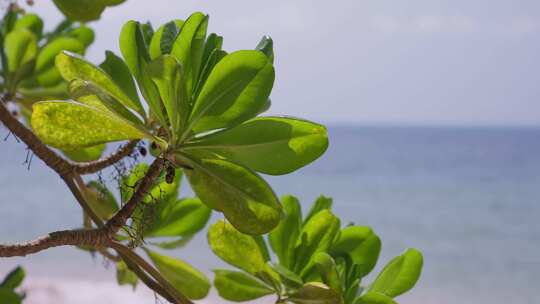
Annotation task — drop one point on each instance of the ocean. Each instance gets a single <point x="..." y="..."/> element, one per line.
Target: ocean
<point x="468" y="198"/>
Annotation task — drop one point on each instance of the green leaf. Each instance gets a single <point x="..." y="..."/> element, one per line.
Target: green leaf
<point x="245" y="198"/>
<point x="262" y="246"/>
<point x="315" y="293"/>
<point x="101" y="200"/>
<point x="84" y="10"/>
<point x="212" y="54"/>
<point x="9" y="296"/>
<point x="170" y="32"/>
<point x="8" y="21"/>
<point x="209" y="65"/>
<point x="213" y="42"/>
<point x="85" y="155"/>
<point x="120" y="74"/>
<point x="326" y="266"/>
<point x="271" y="145"/>
<point x="154" y="49"/>
<point x="239" y="286"/>
<point x="89" y="93"/>
<point x="167" y="75"/>
<point x="31" y="22"/>
<point x="159" y="195"/>
<point x="188" y="280"/>
<point x="173" y="244"/>
<point x="135" y="53"/>
<point x="283" y="238"/>
<point x="234" y="91"/>
<point x="124" y="276"/>
<point x="13" y="279"/>
<point x="58" y="91"/>
<point x="238" y="249"/>
<point x="20" y="47"/>
<point x="72" y="66"/>
<point x="361" y="245"/>
<point x="317" y="235"/>
<point x="148" y="32"/>
<point x="48" y="75"/>
<point x="184" y="217"/>
<point x="84" y="34"/>
<point x="400" y="274"/>
<point x="289" y="278"/>
<point x="374" y="298"/>
<point x="72" y="125"/>
<point x="188" y="47"/>
<point x="266" y="46"/>
<point x="46" y="57"/>
<point x="321" y="203"/>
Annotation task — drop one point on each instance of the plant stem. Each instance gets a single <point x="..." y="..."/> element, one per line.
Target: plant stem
<point x="179" y="298"/>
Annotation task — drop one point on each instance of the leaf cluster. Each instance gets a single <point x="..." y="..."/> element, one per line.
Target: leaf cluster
<point x="27" y="69"/>
<point x="27" y="54"/>
<point x="199" y="109"/>
<point x="318" y="261"/>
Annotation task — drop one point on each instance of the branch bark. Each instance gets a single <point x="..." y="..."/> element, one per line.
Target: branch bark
<point x="98" y="165"/>
<point x="94" y="238"/>
<point x="90" y="237"/>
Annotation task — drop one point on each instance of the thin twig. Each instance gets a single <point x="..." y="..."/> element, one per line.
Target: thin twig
<point x="147" y="280"/>
<point x="179" y="298"/>
<point x="98" y="165"/>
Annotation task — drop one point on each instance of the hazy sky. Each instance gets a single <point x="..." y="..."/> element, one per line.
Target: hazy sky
<point x="459" y="62"/>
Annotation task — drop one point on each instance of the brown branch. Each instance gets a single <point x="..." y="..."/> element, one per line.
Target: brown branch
<point x="124" y="250"/>
<point x="98" y="165"/>
<point x="94" y="238"/>
<point x="108" y="255"/>
<point x="147" y="280"/>
<point x="48" y="156"/>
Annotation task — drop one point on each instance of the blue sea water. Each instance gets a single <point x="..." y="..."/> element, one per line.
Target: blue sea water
<point x="468" y="198"/>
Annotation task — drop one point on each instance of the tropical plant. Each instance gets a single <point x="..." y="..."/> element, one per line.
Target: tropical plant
<point x="198" y="112"/>
<point x="8" y="286"/>
<point x="202" y="107"/>
<point x="318" y="261"/>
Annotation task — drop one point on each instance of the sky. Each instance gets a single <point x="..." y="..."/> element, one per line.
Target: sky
<point x="414" y="62"/>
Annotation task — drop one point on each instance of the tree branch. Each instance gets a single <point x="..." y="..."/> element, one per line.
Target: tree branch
<point x="145" y="184"/>
<point x="94" y="238"/>
<point x="147" y="280"/>
<point x="48" y="156"/>
<point x="98" y="165"/>
<point x="122" y="249"/>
